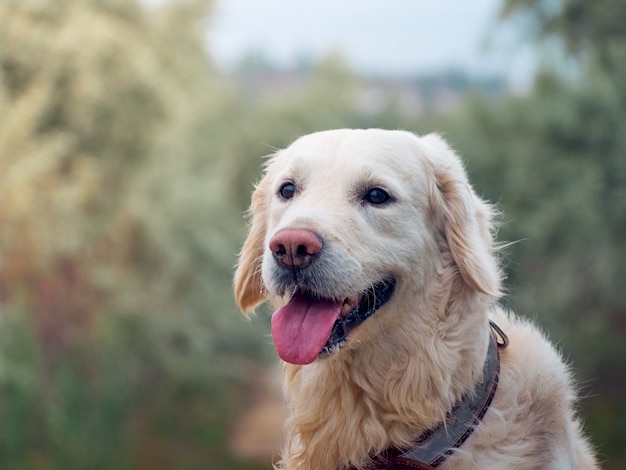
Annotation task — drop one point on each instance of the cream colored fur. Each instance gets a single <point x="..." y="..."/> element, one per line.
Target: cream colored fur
<point x="404" y="368"/>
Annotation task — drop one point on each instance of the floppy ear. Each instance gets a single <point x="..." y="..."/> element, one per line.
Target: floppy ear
<point x="249" y="288"/>
<point x="465" y="219"/>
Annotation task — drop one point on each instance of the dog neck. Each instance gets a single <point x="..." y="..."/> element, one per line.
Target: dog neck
<point x="435" y="445"/>
<point x="348" y="408"/>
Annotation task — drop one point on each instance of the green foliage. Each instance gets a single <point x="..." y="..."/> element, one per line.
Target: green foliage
<point x="584" y="27"/>
<point x="121" y="347"/>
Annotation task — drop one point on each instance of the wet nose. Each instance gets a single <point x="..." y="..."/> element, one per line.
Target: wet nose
<point x="295" y="248"/>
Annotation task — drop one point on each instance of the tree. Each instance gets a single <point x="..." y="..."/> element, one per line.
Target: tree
<point x="118" y="239"/>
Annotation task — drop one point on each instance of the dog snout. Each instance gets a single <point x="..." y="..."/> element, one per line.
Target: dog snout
<point x="295" y="248"/>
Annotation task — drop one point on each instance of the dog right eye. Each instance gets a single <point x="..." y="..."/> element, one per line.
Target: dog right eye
<point x="287" y="190"/>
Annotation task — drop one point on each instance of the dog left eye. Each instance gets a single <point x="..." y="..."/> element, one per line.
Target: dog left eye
<point x="376" y="196"/>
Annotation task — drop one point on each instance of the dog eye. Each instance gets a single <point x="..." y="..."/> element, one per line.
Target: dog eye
<point x="377" y="196"/>
<point x="287" y="190"/>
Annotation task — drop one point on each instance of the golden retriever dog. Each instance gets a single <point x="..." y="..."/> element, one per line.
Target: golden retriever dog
<point x="381" y="263"/>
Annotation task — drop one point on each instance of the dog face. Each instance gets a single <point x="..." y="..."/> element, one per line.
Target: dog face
<point x="346" y="224"/>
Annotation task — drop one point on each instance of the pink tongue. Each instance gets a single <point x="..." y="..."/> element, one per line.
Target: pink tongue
<point x="302" y="327"/>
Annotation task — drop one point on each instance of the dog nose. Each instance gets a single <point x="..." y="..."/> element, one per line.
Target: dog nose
<point x="295" y="248"/>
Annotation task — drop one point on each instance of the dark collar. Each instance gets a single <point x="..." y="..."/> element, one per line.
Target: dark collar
<point x="435" y="445"/>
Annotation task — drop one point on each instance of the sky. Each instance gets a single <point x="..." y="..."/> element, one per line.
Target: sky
<point x="379" y="37"/>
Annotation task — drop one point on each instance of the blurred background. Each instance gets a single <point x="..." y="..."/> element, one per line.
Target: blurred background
<point x="132" y="134"/>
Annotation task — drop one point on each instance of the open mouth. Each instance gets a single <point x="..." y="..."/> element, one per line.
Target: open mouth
<point x="371" y="300"/>
<point x="309" y="327"/>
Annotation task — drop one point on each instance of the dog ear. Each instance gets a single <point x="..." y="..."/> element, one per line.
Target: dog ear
<point x="248" y="283"/>
<point x="465" y="220"/>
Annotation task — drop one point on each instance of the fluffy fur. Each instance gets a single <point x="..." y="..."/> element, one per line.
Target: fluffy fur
<point x="404" y="368"/>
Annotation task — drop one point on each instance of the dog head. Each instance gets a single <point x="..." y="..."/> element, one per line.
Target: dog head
<point x="356" y="230"/>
